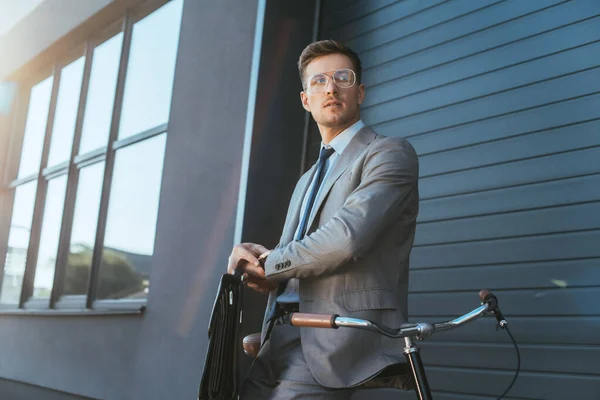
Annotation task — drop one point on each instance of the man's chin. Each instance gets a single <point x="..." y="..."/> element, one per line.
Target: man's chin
<point x="331" y="121"/>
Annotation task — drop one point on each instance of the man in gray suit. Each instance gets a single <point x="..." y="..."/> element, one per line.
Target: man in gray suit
<point x="344" y="249"/>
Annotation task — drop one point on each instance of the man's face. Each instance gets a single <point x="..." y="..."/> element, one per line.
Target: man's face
<point x="335" y="107"/>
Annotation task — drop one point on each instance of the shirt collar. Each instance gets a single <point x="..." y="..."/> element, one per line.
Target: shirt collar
<point x="341" y="141"/>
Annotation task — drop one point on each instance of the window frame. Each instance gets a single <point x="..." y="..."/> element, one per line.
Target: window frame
<point x="58" y="303"/>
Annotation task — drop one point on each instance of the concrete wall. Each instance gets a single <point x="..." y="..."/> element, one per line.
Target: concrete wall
<point x="40" y="31"/>
<point x="160" y="354"/>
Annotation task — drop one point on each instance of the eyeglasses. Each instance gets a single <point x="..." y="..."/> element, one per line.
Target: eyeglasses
<point x="343" y="78"/>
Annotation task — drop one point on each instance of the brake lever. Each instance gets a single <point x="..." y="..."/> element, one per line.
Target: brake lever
<point x="490" y="299"/>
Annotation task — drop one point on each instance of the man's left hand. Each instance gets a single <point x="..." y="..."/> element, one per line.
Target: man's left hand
<point x="245" y="256"/>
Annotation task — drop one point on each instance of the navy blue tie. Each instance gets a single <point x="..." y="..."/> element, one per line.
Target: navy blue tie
<point x="319" y="174"/>
<point x="326" y="152"/>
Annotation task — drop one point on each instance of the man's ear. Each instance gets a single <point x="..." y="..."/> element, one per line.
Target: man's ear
<point x="304" y="100"/>
<point x="361" y="93"/>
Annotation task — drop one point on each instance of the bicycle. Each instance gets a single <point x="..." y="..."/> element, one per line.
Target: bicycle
<point x="418" y="331"/>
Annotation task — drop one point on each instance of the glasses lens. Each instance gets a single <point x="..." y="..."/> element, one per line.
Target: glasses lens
<point x="317" y="83"/>
<point x="344" y="78"/>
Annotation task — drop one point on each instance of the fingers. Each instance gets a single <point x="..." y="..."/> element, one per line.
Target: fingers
<point x="258" y="288"/>
<point x="253" y="270"/>
<point x="245" y="253"/>
<point x="260" y="281"/>
<point x="261" y="285"/>
<point x="231" y="264"/>
<point x="258" y="249"/>
<point x="254" y="279"/>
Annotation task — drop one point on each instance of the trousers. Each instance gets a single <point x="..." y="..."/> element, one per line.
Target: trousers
<point x="280" y="371"/>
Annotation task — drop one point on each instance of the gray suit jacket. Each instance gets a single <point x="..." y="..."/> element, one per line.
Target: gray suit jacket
<point x="354" y="259"/>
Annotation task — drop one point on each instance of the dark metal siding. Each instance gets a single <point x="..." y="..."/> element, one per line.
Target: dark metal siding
<point x="501" y="100"/>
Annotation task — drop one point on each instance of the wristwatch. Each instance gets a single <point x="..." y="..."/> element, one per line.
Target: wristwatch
<point x="263" y="257"/>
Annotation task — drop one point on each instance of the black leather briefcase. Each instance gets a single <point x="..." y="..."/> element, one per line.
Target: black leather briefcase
<point x="219" y="378"/>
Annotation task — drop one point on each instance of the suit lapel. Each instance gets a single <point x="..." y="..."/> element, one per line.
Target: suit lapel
<point x="296" y="204"/>
<point x="354" y="148"/>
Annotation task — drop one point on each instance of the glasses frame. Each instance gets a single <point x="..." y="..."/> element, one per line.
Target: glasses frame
<point x="306" y="89"/>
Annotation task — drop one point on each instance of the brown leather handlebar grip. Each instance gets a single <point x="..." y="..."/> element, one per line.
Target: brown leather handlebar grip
<point x="251" y="344"/>
<point x="313" y="320"/>
<point x="483" y="294"/>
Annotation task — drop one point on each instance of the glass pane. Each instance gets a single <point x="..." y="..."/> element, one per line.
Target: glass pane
<point x="131" y="220"/>
<point x="7" y="95"/>
<point x="83" y="233"/>
<point x="50" y="235"/>
<point x="101" y="94"/>
<point x="18" y="243"/>
<point x="35" y="128"/>
<point x="67" y="104"/>
<point x="149" y="81"/>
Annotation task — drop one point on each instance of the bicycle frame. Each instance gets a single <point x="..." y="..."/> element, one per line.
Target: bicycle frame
<point x="413" y="356"/>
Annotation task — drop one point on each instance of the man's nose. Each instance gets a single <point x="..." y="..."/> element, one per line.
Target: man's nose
<point x="331" y="86"/>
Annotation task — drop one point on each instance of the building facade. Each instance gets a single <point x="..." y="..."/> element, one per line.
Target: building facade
<point x="139" y="140"/>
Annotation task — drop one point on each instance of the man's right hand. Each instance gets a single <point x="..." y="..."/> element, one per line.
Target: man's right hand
<point x="262" y="285"/>
<point x="245" y="256"/>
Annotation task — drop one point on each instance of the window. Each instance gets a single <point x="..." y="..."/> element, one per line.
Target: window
<point x="131" y="220"/>
<point x="35" y="128"/>
<point x="83" y="198"/>
<point x="18" y="243"/>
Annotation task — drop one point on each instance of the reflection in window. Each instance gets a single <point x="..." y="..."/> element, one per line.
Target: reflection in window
<point x="7" y="94"/>
<point x="149" y="81"/>
<point x="18" y="243"/>
<point x="83" y="234"/>
<point x="67" y="104"/>
<point x="131" y="220"/>
<point x="35" y="128"/>
<point x="101" y="94"/>
<point x="53" y="213"/>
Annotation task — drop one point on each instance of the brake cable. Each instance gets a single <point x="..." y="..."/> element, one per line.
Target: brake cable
<point x="518" y="359"/>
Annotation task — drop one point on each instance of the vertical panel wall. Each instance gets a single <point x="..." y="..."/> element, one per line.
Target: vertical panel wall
<point x="501" y="100"/>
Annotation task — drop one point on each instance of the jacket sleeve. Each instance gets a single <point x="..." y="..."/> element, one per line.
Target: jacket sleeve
<point x="389" y="177"/>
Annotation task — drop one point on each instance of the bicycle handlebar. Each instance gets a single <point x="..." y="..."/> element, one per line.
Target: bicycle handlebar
<point x="421" y="330"/>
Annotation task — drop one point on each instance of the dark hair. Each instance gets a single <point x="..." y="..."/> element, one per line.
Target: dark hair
<point x="326" y="47"/>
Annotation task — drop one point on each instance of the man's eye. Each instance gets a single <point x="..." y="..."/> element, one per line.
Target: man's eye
<point x="342" y="77"/>
<point x="318" y="80"/>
